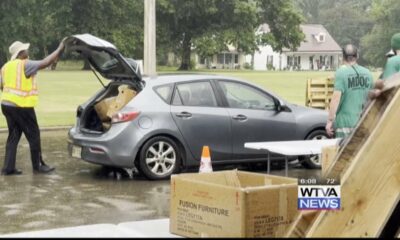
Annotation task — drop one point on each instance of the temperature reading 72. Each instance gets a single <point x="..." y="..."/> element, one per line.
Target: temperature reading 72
<point x="330" y="181"/>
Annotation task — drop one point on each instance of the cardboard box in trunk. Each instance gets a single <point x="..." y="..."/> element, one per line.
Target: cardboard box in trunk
<point x="102" y="108"/>
<point x="232" y="204"/>
<point x="124" y="96"/>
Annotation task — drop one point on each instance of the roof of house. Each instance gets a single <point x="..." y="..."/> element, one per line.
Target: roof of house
<point x="317" y="39"/>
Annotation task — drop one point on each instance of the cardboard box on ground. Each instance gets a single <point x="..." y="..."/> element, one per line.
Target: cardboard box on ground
<point x="232" y="204"/>
<point x="109" y="106"/>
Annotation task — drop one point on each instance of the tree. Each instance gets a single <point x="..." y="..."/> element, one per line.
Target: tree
<point x="44" y="23"/>
<point x="385" y="13"/>
<point x="209" y="26"/>
<point x="29" y="21"/>
<point x="311" y="9"/>
<point x="284" y="23"/>
<point x="348" y="21"/>
<point x="117" y="21"/>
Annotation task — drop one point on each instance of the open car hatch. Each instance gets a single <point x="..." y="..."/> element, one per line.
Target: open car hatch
<point x="104" y="57"/>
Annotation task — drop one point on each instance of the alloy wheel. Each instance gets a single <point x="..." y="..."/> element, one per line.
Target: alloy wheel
<point x="161" y="158"/>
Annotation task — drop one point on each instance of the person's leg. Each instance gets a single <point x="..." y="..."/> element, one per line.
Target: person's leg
<point x="14" y="135"/>
<point x="31" y="130"/>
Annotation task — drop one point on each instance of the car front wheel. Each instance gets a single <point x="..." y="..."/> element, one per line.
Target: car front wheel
<point x="313" y="161"/>
<point x="159" y="158"/>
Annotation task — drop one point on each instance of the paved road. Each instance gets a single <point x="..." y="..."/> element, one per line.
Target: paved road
<point x="79" y="193"/>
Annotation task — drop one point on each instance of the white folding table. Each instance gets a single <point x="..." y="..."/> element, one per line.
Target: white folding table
<point x="292" y="148"/>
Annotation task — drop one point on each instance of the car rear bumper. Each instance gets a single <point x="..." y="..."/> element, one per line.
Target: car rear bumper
<point x="87" y="154"/>
<point x="117" y="147"/>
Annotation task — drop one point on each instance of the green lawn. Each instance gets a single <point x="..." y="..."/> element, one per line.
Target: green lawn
<point x="62" y="91"/>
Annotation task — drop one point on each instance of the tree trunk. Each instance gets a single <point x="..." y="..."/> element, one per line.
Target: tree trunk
<point x="45" y="51"/>
<point x="186" y="52"/>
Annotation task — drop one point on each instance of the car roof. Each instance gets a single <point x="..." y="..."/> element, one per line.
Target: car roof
<point x="176" y="78"/>
<point x="162" y="79"/>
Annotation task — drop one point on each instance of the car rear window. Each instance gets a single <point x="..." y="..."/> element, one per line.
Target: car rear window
<point x="164" y="92"/>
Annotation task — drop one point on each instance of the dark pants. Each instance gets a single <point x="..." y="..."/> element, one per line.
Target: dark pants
<point x="21" y="120"/>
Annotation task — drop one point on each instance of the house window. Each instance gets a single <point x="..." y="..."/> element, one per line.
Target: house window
<point x="311" y="62"/>
<point x="320" y="37"/>
<point x="221" y="58"/>
<point x="270" y="60"/>
<point x="228" y="58"/>
<point x="290" y="61"/>
<point x="203" y="60"/>
<point x="236" y="58"/>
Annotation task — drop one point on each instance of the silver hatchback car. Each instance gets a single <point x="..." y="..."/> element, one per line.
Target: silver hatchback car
<point x="163" y="129"/>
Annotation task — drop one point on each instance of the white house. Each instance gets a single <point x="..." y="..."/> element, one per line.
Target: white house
<point x="230" y="59"/>
<point x="318" y="51"/>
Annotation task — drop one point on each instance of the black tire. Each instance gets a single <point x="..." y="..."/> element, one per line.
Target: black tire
<point x="153" y="164"/>
<point x="313" y="161"/>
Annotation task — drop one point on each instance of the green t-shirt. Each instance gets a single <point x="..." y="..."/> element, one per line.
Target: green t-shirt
<point x="354" y="82"/>
<point x="392" y="67"/>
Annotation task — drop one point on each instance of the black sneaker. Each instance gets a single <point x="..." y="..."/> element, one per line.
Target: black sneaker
<point x="44" y="169"/>
<point x="12" y="172"/>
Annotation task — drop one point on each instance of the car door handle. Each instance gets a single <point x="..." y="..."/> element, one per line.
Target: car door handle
<point x="184" y="115"/>
<point x="240" y="117"/>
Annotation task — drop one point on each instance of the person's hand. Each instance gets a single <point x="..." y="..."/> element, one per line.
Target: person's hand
<point x="374" y="93"/>
<point x="329" y="128"/>
<point x="379" y="84"/>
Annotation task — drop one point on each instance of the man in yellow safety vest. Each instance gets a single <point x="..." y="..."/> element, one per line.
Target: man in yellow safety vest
<point x="18" y="99"/>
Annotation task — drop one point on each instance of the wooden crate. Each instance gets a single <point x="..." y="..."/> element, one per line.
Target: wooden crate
<point x="370" y="191"/>
<point x="328" y="155"/>
<point x="319" y="93"/>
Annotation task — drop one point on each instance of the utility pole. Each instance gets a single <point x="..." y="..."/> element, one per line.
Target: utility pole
<point x="150" y="37"/>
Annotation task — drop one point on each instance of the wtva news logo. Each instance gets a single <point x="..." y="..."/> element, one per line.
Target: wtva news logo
<point x="312" y="195"/>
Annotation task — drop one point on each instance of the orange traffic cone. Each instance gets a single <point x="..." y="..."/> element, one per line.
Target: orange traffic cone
<point x="205" y="163"/>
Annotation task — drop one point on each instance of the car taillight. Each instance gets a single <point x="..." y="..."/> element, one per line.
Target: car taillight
<point x="124" y="117"/>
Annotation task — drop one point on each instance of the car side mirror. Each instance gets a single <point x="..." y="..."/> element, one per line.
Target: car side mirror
<point x="281" y="107"/>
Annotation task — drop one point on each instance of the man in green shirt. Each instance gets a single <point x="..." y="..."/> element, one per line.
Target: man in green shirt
<point x="352" y="85"/>
<point x="393" y="64"/>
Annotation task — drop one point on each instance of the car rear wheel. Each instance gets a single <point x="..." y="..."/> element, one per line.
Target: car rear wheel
<point x="313" y="161"/>
<point x="159" y="158"/>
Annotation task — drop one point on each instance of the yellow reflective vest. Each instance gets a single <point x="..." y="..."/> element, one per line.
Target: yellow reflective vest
<point x="17" y="88"/>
